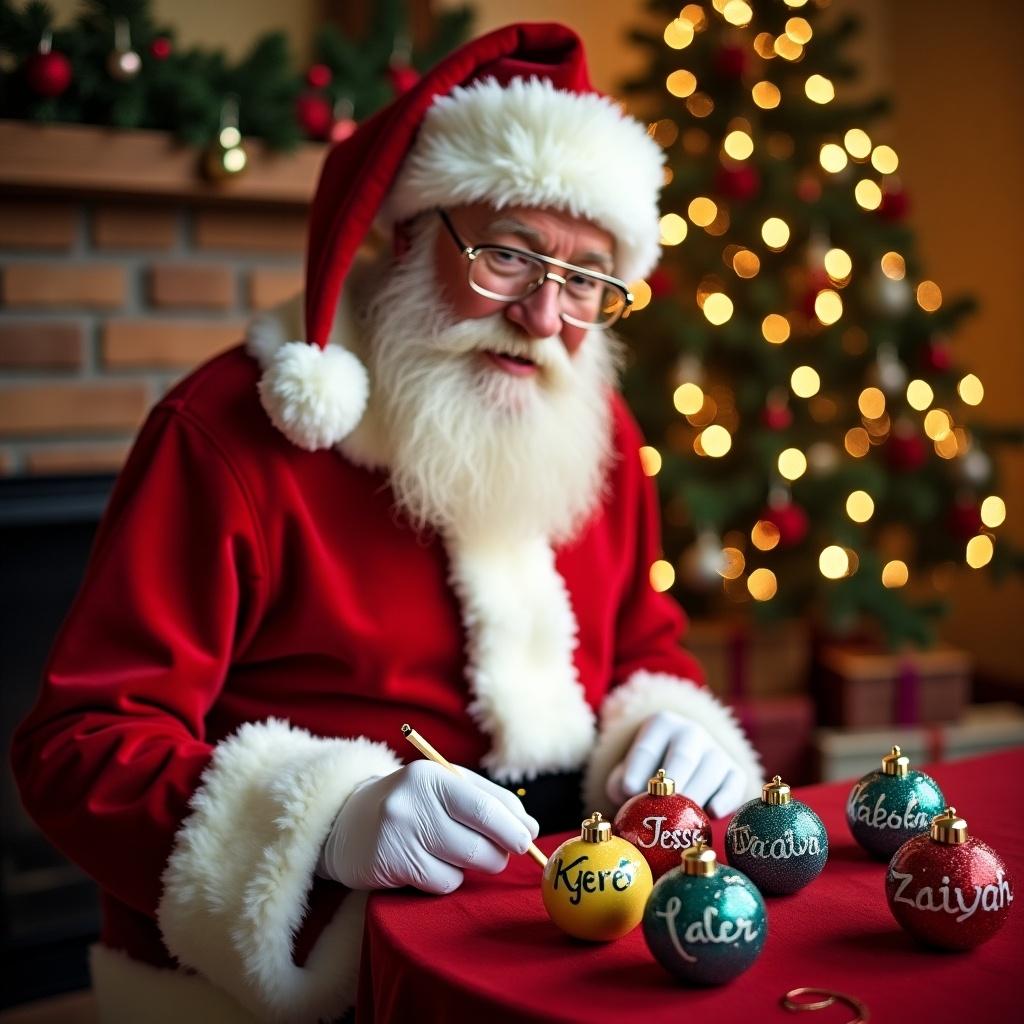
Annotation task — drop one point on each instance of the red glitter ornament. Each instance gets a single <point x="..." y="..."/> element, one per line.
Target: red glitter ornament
<point x="318" y="76"/>
<point x="905" y="451"/>
<point x="790" y="520"/>
<point x="731" y="62"/>
<point x="314" y="115"/>
<point x="48" y="73"/>
<point x="160" y="48"/>
<point x="662" y="823"/>
<point x="964" y="519"/>
<point x="947" y="888"/>
<point x="894" y="206"/>
<point x="741" y="182"/>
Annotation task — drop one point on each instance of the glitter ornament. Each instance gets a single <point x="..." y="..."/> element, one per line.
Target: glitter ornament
<point x="947" y="888"/>
<point x="705" y="923"/>
<point x="662" y="823"/>
<point x="887" y="807"/>
<point x="778" y="842"/>
<point x="595" y="887"/>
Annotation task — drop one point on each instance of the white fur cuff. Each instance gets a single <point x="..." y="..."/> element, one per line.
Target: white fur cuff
<point x="236" y="883"/>
<point x="644" y="694"/>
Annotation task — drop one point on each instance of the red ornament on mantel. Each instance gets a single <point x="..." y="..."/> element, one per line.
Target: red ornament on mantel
<point x="947" y="888"/>
<point x="402" y="76"/>
<point x="48" y="72"/>
<point x="662" y="823"/>
<point x="314" y="115"/>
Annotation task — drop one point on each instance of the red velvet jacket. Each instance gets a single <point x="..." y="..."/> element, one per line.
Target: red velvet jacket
<point x="238" y="579"/>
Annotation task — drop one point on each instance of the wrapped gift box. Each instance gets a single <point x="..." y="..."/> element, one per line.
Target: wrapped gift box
<point x="743" y="660"/>
<point x="846" y="754"/>
<point x="861" y="688"/>
<point x="781" y="730"/>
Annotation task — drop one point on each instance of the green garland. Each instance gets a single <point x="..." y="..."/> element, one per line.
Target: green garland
<point x="185" y="91"/>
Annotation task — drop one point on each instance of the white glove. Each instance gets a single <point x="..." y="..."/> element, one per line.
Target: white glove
<point x="700" y="767"/>
<point x="421" y="826"/>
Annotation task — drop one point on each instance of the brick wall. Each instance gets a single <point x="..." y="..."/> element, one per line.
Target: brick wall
<point x="104" y="304"/>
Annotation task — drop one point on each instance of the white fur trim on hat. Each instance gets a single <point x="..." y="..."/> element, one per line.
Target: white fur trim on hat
<point x="237" y="881"/>
<point x="644" y="694"/>
<point x="314" y="396"/>
<point x="530" y="144"/>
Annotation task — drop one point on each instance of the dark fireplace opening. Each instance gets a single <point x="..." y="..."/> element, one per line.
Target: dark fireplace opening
<point x="49" y="910"/>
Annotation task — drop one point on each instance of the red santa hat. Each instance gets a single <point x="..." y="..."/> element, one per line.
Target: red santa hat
<point x="510" y="118"/>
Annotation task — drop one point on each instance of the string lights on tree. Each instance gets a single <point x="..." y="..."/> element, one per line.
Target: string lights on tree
<point x="808" y="425"/>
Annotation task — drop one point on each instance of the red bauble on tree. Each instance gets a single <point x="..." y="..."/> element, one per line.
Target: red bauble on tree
<point x="895" y="204"/>
<point x="662" y="823"/>
<point x="740" y="182"/>
<point x="790" y="520"/>
<point x="160" y="48"/>
<point x="936" y="356"/>
<point x="314" y="114"/>
<point x="947" y="888"/>
<point x="964" y="519"/>
<point x="661" y="283"/>
<point x="777" y="416"/>
<point x="48" y="72"/>
<point x="905" y="450"/>
<point x="731" y="62"/>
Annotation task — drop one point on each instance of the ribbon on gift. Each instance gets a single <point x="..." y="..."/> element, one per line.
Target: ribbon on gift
<point x="906" y="699"/>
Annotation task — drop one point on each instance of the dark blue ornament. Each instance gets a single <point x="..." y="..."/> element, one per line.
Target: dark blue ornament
<point x="705" y="923"/>
<point x="889" y="806"/>
<point x="779" y="842"/>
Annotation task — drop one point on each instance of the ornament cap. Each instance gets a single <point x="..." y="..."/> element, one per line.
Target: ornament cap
<point x="896" y="763"/>
<point x="699" y="861"/>
<point x="949" y="828"/>
<point x="595" y="829"/>
<point x="776" y="792"/>
<point x="661" y="784"/>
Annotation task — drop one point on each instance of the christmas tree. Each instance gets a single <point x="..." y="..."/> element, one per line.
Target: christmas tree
<point x="808" y="428"/>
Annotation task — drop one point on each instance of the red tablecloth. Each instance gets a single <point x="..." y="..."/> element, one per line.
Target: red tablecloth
<point x="489" y="953"/>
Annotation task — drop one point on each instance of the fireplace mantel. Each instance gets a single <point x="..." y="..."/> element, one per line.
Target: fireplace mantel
<point x="91" y="161"/>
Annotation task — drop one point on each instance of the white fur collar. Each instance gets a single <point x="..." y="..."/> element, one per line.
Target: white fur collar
<point x="516" y="611"/>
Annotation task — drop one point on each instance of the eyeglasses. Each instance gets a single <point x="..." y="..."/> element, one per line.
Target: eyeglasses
<point x="587" y="299"/>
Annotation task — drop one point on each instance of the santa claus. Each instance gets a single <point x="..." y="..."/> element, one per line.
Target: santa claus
<point x="415" y="496"/>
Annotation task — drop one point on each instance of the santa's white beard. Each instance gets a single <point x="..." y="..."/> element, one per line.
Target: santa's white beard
<point x="476" y="452"/>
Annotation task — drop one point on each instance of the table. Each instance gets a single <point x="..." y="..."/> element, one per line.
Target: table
<point x="489" y="953"/>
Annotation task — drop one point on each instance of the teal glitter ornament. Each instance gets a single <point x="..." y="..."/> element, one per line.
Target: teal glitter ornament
<point x="705" y="923"/>
<point x="886" y="808"/>
<point x="778" y="842"/>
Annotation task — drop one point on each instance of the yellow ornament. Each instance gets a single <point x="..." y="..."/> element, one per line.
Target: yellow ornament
<point x="596" y="887"/>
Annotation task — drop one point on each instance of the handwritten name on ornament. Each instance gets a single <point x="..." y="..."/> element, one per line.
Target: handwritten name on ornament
<point x="993" y="896"/>
<point x="707" y="930"/>
<point x="588" y="881"/>
<point x="879" y="817"/>
<point x="781" y="848"/>
<point x="670" y="839"/>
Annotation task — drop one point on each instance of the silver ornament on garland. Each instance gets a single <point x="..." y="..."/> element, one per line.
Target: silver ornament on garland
<point x="123" y="63"/>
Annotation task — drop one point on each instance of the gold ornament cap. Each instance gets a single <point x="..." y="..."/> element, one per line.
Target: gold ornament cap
<point x="661" y="784"/>
<point x="595" y="829"/>
<point x="700" y="861"/>
<point x="776" y="792"/>
<point x="949" y="828"/>
<point x="896" y="763"/>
